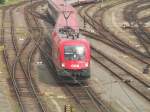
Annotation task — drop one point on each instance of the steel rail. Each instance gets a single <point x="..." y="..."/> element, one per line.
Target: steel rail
<point x="96" y="103"/>
<point x="45" y="55"/>
<point x="138" y="30"/>
<point x="37" y="43"/>
<point x="7" y="62"/>
<point x="79" y="91"/>
<point x="30" y="91"/>
<point x="114" y="41"/>
<point x="17" y="59"/>
<point x="145" y="83"/>
<point x="125" y="76"/>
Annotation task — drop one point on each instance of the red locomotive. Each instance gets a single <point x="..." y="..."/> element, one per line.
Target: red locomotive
<point x="70" y="51"/>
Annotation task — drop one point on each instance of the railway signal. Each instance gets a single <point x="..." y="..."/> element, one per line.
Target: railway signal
<point x="146" y="69"/>
<point x="84" y="21"/>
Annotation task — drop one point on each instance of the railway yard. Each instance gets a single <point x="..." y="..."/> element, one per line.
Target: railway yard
<point x="119" y="36"/>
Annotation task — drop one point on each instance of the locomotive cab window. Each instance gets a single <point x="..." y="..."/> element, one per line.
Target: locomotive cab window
<point x="74" y="52"/>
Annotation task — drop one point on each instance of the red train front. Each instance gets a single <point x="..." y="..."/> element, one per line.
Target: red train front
<point x="70" y="51"/>
<point x="71" y="56"/>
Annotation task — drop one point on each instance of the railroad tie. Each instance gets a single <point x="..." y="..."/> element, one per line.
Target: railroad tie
<point x="68" y="108"/>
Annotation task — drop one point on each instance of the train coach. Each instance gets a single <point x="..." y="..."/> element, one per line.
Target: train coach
<point x="87" y="1"/>
<point x="81" y="1"/>
<point x="70" y="51"/>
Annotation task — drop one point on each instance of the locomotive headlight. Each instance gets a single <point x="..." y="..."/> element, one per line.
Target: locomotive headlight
<point x="63" y="65"/>
<point x="86" y="64"/>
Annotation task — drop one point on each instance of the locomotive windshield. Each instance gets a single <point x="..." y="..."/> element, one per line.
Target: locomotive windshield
<point x="74" y="52"/>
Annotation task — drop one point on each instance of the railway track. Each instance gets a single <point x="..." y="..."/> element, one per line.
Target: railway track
<point x="85" y="91"/>
<point x="138" y="83"/>
<point x="117" y="46"/>
<point x="77" y="92"/>
<point x="20" y="73"/>
<point x="86" y="98"/>
<point x="37" y="34"/>
<point x="27" y="95"/>
<point x="138" y="27"/>
<point x="106" y="37"/>
<point x="82" y="93"/>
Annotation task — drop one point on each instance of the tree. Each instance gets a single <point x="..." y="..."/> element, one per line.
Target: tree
<point x="2" y="1"/>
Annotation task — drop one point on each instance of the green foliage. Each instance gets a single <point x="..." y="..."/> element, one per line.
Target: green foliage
<point x="2" y="1"/>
